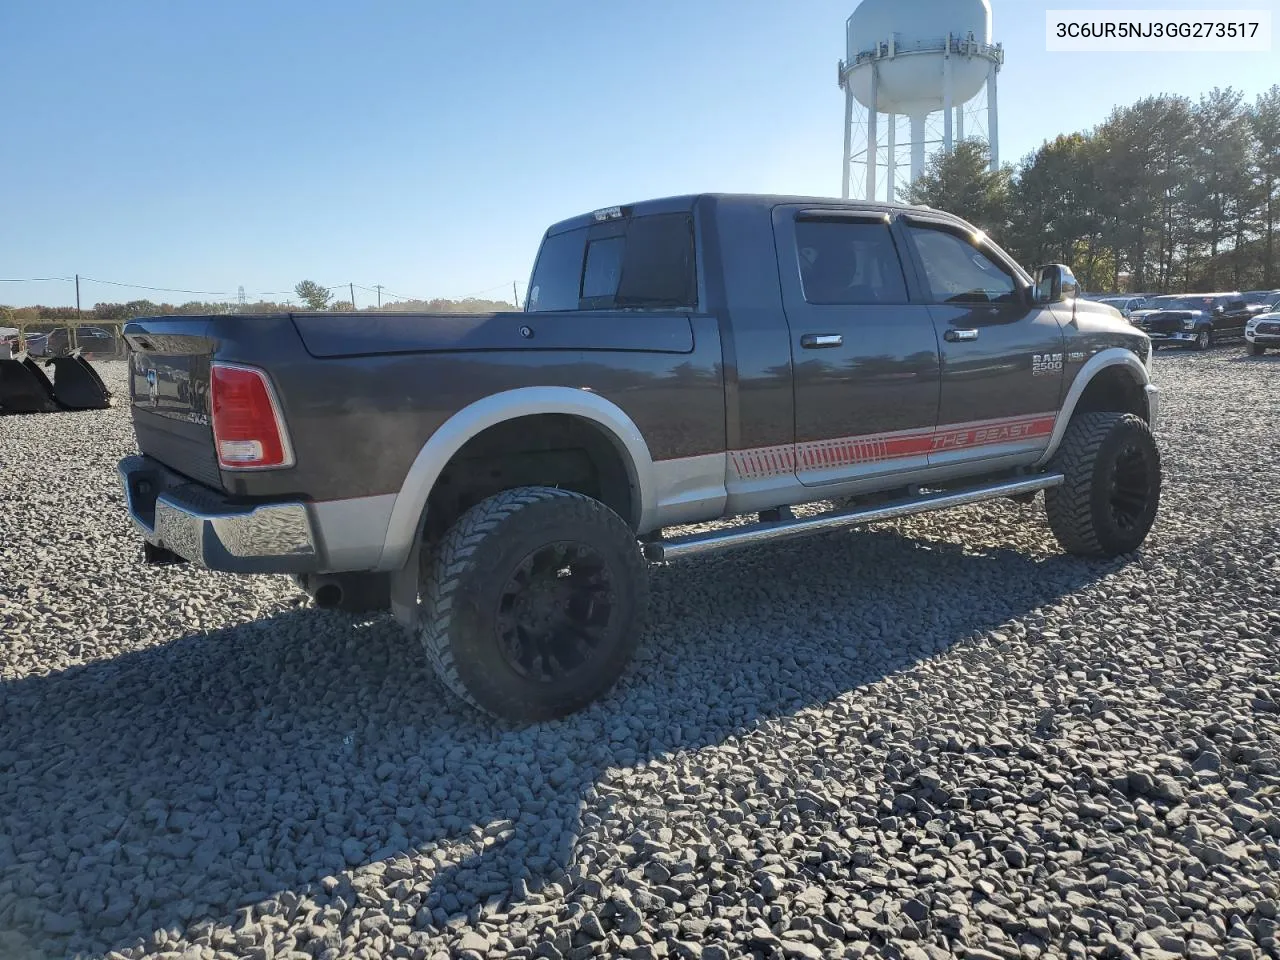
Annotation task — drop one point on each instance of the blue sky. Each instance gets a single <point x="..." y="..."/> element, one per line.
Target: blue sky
<point x="426" y="145"/>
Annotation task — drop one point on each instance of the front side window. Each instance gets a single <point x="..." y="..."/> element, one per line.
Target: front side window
<point x="958" y="271"/>
<point x="848" y="262"/>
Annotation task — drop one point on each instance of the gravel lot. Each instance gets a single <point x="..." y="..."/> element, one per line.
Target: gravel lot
<point x="933" y="738"/>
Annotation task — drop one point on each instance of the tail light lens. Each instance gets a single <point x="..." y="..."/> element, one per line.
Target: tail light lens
<point x="248" y="428"/>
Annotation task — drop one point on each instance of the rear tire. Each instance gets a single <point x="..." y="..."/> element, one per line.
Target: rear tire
<point x="533" y="603"/>
<point x="1108" y="501"/>
<point x="1257" y="349"/>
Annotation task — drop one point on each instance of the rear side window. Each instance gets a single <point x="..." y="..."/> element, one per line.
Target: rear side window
<point x="557" y="277"/>
<point x="646" y="262"/>
<point x="848" y="262"/>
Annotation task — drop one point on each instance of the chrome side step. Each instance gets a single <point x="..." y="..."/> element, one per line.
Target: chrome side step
<point x="699" y="543"/>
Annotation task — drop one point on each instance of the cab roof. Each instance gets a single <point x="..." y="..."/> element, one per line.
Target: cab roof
<point x="686" y="203"/>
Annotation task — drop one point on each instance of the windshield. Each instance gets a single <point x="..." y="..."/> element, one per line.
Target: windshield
<point x="1187" y="303"/>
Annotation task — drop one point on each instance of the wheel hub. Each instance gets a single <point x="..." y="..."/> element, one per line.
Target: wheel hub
<point x="554" y="611"/>
<point x="1130" y="486"/>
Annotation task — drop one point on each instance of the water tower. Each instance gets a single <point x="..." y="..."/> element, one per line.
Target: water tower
<point x="918" y="60"/>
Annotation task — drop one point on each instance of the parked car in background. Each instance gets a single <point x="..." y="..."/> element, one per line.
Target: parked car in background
<point x="1264" y="297"/>
<point x="1152" y="304"/>
<point x="88" y="339"/>
<point x="1196" y="320"/>
<point x="1262" y="332"/>
<point x="1126" y="305"/>
<point x="15" y="342"/>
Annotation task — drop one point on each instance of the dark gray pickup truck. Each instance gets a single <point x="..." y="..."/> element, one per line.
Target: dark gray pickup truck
<point x="500" y="480"/>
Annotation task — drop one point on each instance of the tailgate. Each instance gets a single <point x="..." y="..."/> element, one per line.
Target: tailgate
<point x="169" y="394"/>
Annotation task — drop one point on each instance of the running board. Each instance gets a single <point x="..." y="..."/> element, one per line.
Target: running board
<point x="699" y="543"/>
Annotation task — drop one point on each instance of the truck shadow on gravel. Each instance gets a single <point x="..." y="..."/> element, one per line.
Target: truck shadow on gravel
<point x="175" y="785"/>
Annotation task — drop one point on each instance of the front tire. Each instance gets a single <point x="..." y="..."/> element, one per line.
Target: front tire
<point x="1108" y="501"/>
<point x="533" y="603"/>
<point x="1257" y="349"/>
<point x="1204" y="340"/>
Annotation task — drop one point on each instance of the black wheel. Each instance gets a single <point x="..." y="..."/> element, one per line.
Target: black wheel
<point x="532" y="604"/>
<point x="1108" y="501"/>
<point x="1204" y="339"/>
<point x="1257" y="349"/>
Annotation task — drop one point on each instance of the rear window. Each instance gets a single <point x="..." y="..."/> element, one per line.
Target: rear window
<point x="645" y="262"/>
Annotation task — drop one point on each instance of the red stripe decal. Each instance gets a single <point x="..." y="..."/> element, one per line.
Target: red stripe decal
<point x="877" y="448"/>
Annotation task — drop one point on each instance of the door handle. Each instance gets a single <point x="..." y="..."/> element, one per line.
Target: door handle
<point x="960" y="336"/>
<point x="816" y="341"/>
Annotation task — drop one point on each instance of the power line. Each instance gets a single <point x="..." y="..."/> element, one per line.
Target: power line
<point x="401" y="296"/>
<point x="33" y="279"/>
<point x="140" y="286"/>
<point x="496" y="286"/>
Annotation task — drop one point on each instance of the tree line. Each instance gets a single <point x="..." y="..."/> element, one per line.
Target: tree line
<point x="1166" y="195"/>
<point x="120" y="312"/>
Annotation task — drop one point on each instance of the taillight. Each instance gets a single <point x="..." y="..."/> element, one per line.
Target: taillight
<point x="248" y="429"/>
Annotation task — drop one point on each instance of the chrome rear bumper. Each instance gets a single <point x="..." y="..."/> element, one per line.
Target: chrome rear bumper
<point x="204" y="527"/>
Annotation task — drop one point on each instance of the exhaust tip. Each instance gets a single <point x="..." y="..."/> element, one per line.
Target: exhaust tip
<point x="328" y="596"/>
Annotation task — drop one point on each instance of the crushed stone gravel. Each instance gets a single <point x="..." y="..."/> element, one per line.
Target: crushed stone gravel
<point x="933" y="738"/>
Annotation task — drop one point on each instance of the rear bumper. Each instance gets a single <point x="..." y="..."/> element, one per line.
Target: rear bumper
<point x="204" y="527"/>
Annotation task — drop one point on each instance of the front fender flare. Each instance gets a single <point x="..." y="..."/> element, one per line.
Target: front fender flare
<point x="1110" y="357"/>
<point x="411" y="500"/>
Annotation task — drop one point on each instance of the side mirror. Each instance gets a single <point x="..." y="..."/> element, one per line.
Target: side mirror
<point x="1218" y="309"/>
<point x="1056" y="283"/>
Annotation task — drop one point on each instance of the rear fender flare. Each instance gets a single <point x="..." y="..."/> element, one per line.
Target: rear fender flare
<point x="411" y="500"/>
<point x="1110" y="357"/>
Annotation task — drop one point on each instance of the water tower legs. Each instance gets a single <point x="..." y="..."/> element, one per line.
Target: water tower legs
<point x="873" y="139"/>
<point x="947" y="100"/>
<point x="848" y="140"/>
<point x="993" y="118"/>
<point x="959" y="123"/>
<point x="891" y="164"/>
<point x="917" y="146"/>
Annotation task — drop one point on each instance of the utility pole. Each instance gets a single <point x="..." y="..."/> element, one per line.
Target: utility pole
<point x="351" y="288"/>
<point x="515" y="293"/>
<point x="74" y="339"/>
<point x="378" y="287"/>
